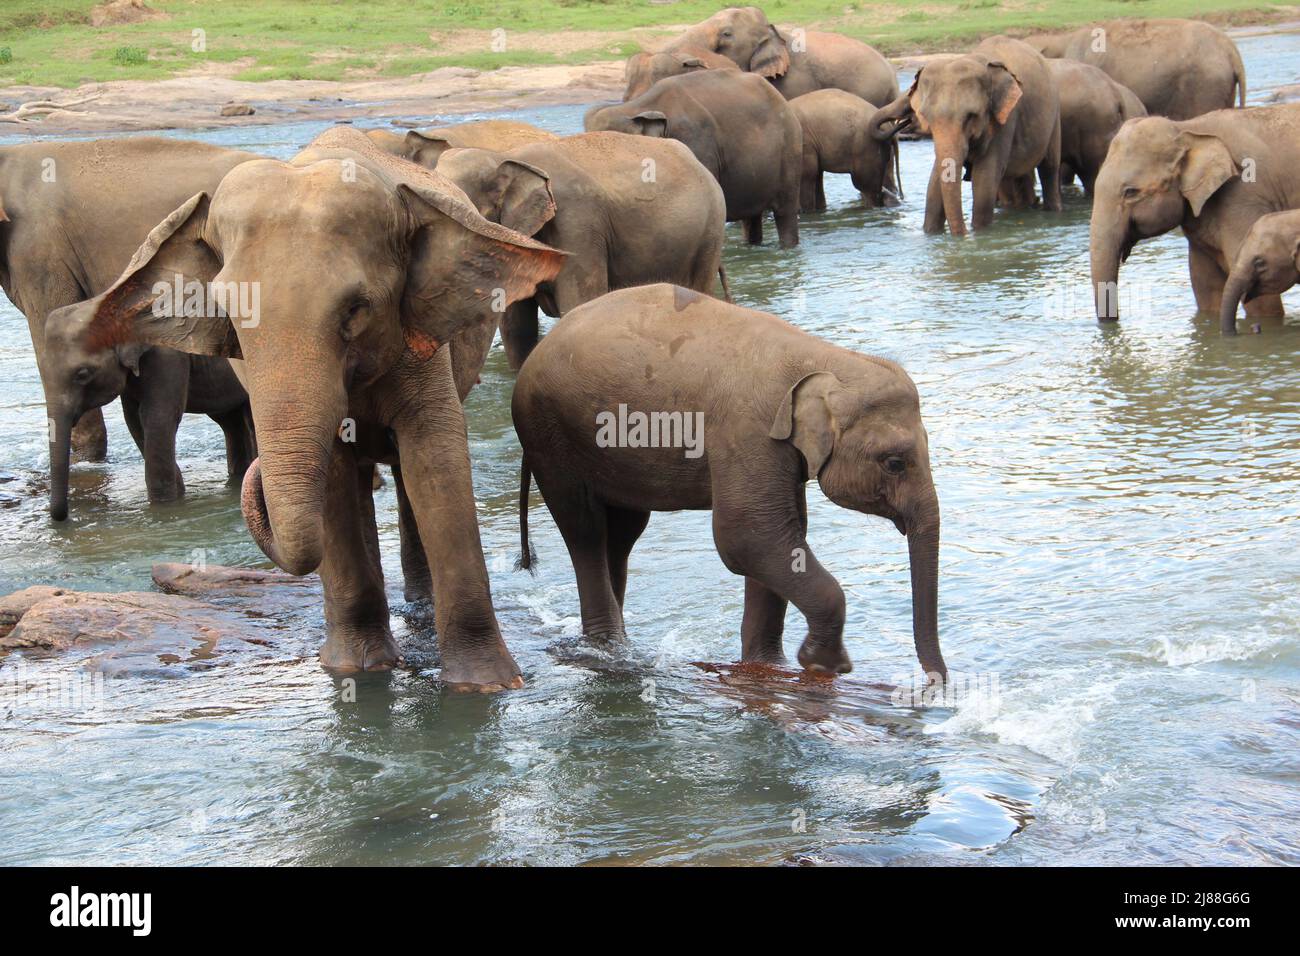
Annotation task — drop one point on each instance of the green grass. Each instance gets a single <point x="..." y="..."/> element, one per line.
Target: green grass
<point x="51" y="42"/>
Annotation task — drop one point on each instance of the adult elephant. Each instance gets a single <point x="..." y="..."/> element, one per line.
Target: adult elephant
<point x="1177" y="68"/>
<point x="1213" y="176"/>
<point x="425" y="146"/>
<point x="644" y="70"/>
<point x="1093" y="108"/>
<point x="627" y="210"/>
<point x="796" y="61"/>
<point x="738" y="127"/>
<point x="996" y="113"/>
<point x="367" y="265"/>
<point x="71" y="215"/>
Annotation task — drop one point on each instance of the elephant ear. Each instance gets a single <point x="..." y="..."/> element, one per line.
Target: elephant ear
<point x="462" y="268"/>
<point x="522" y="193"/>
<point x="651" y="123"/>
<point x="1206" y="165"/>
<point x="425" y="149"/>
<point x="804" y="418"/>
<point x="771" y="57"/>
<point x="143" y="305"/>
<point x="1006" y="92"/>
<point x="691" y="62"/>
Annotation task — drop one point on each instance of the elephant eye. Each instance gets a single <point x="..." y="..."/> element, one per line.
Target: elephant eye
<point x="1131" y="192"/>
<point x="83" y="375"/>
<point x="895" y="465"/>
<point x="352" y="319"/>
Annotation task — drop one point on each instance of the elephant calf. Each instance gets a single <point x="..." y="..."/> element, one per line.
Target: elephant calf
<point x="660" y="399"/>
<point x="739" y="127"/>
<point x="1093" y="108"/>
<point x="837" y="139"/>
<point x="1268" y="264"/>
<point x="644" y="70"/>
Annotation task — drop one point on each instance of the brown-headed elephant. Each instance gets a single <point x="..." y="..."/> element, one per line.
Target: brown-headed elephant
<point x="626" y="209"/>
<point x="797" y="61"/>
<point x="71" y="215"/>
<point x="1213" y="176"/>
<point x="426" y="145"/>
<point x="366" y="264"/>
<point x="738" y="127"/>
<point x="1093" y="108"/>
<point x="1268" y="264"/>
<point x="644" y="70"/>
<point x="741" y="411"/>
<point x="837" y="139"/>
<point x="996" y="113"/>
<point x="1177" y="68"/>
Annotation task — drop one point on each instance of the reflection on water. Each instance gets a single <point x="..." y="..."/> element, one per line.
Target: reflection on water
<point x="1119" y="594"/>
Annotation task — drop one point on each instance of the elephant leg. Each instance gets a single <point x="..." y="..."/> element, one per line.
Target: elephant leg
<point x="1207" y="278"/>
<point x="763" y="625"/>
<point x="809" y="180"/>
<point x="435" y="467"/>
<point x="787" y="218"/>
<point x="90" y="437"/>
<point x="1049" y="172"/>
<point x="754" y="230"/>
<point x="985" y="180"/>
<point x="418" y="582"/>
<point x="239" y="443"/>
<point x="163" y="389"/>
<point x="821" y="193"/>
<point x="624" y="527"/>
<point x="131" y="415"/>
<point x="357" y="635"/>
<point x="1265" y="307"/>
<point x="519" y="331"/>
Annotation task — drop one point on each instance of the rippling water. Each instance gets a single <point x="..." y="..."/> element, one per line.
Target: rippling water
<point x="1118" y="600"/>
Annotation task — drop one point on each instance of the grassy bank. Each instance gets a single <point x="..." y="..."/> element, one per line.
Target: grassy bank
<point x="54" y="42"/>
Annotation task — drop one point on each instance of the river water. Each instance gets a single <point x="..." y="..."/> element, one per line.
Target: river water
<point x="1118" y="604"/>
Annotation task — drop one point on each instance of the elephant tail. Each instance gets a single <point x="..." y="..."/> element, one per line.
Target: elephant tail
<point x="527" y="560"/>
<point x="722" y="277"/>
<point x="1238" y="73"/>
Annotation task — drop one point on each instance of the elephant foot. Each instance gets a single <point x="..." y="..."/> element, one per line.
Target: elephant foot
<point x="165" y="494"/>
<point x="354" y="650"/>
<point x="825" y="658"/>
<point x="483" y="672"/>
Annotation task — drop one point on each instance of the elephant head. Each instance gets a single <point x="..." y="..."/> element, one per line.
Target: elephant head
<point x="864" y="442"/>
<point x="963" y="101"/>
<point x="626" y="119"/>
<point x="361" y="261"/>
<point x="744" y="36"/>
<point x="1155" y="174"/>
<point x="507" y="191"/>
<point x="76" y="379"/>
<point x="644" y="70"/>
<point x="1268" y="264"/>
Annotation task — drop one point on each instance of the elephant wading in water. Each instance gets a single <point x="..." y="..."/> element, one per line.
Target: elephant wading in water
<point x="1177" y="68"/>
<point x="738" y="127"/>
<point x="71" y="215"/>
<point x="425" y="146"/>
<point x="366" y="264"/>
<point x="1268" y="264"/>
<point x="837" y="139"/>
<point x="1213" y="176"/>
<point x="796" y="61"/>
<point x="994" y="112"/>
<point x="590" y="195"/>
<point x="1093" y="108"/>
<point x="747" y="409"/>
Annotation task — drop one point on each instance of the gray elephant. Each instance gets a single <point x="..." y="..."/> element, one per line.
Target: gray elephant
<point x="426" y="145"/>
<point x="797" y="61"/>
<point x="738" y="127"/>
<point x="368" y="265"/>
<point x="1177" y="68"/>
<point x="995" y="112"/>
<point x="71" y="215"/>
<point x="644" y="70"/>
<point x="1213" y="176"/>
<point x="1268" y="264"/>
<point x="661" y="399"/>
<point x="627" y="210"/>
<point x="1093" y="108"/>
<point x="837" y="139"/>
<point x="157" y="386"/>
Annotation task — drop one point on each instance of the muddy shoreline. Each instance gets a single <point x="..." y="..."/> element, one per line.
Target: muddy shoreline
<point x="196" y="102"/>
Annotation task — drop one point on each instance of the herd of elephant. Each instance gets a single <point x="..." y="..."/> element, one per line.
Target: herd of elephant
<point x="382" y="265"/>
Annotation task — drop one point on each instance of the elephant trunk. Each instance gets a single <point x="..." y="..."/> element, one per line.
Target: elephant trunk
<point x="923" y="554"/>
<point x="1234" y="290"/>
<point x="1107" y="252"/>
<point x="949" y="158"/>
<point x="896" y="114"/>
<point x="60" y="424"/>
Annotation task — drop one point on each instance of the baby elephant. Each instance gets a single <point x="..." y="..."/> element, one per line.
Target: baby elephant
<point x="657" y="398"/>
<point x="1268" y="264"/>
<point x="837" y="139"/>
